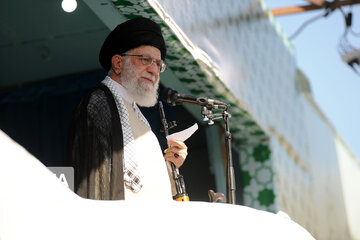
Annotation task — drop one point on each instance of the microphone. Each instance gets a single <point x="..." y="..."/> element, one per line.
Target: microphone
<point x="173" y="98"/>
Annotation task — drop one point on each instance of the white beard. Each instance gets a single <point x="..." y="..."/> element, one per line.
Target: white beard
<point x="143" y="93"/>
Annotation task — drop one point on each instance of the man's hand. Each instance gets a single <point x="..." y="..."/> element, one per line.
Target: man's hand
<point x="176" y="153"/>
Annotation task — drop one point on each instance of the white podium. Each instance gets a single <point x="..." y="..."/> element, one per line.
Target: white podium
<point x="35" y="205"/>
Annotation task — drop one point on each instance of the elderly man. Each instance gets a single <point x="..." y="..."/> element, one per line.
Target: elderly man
<point x="110" y="145"/>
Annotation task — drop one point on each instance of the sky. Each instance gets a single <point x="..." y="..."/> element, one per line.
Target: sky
<point x="335" y="86"/>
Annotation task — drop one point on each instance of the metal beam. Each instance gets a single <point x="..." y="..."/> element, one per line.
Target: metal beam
<point x="306" y="8"/>
<point x="317" y="2"/>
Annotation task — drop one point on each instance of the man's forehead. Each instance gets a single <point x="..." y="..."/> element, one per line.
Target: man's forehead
<point x="146" y="49"/>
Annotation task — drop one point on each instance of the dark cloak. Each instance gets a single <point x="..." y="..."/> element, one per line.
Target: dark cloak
<point x="95" y="147"/>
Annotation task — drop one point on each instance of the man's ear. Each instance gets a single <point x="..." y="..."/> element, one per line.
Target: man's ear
<point x="117" y="63"/>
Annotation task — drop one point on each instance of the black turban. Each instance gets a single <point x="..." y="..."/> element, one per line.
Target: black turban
<point x="131" y="34"/>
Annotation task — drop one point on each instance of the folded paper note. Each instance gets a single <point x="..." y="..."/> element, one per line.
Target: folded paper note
<point x="184" y="134"/>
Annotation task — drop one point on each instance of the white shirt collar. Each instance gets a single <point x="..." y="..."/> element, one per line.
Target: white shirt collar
<point x="122" y="91"/>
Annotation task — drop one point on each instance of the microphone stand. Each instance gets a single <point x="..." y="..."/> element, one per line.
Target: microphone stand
<point x="209" y="116"/>
<point x="181" y="195"/>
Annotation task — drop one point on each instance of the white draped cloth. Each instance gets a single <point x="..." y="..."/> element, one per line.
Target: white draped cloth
<point x="34" y="204"/>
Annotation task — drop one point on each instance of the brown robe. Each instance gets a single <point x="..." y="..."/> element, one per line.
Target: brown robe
<point x="95" y="147"/>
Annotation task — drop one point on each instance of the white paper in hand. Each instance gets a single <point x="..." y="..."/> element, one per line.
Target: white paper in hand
<point x="184" y="134"/>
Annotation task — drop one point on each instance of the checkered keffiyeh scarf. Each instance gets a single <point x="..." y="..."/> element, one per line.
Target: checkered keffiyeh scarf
<point x="131" y="171"/>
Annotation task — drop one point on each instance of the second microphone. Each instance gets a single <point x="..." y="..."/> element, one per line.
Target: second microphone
<point x="173" y="98"/>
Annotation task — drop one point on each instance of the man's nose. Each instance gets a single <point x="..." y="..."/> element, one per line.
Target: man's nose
<point x="154" y="68"/>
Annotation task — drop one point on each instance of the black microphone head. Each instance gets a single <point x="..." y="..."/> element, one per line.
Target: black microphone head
<point x="169" y="96"/>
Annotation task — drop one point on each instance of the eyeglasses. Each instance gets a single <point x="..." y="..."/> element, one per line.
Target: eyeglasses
<point x="148" y="61"/>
